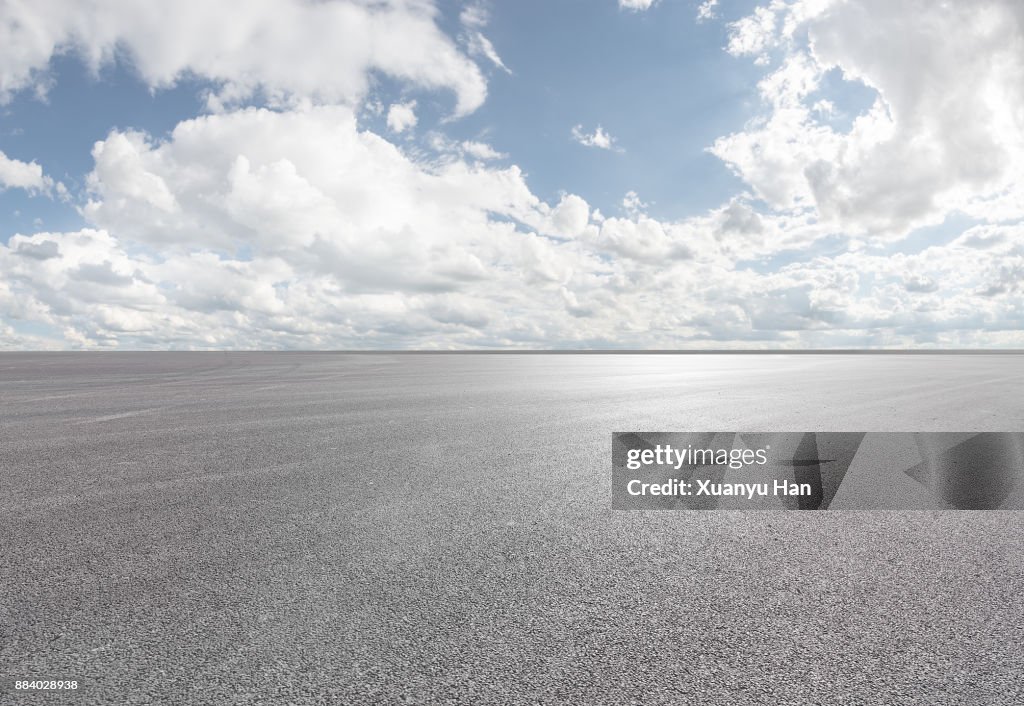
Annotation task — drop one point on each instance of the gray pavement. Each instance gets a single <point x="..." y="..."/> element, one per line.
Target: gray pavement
<point x="219" y="528"/>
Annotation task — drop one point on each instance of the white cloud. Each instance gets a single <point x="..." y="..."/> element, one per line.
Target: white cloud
<point x="636" y="5"/>
<point x="644" y="239"/>
<point x="632" y="204"/>
<point x="469" y="149"/>
<point x="239" y="45"/>
<point x="474" y="18"/>
<point x="754" y="33"/>
<point x="629" y="281"/>
<point x="706" y="10"/>
<point x="945" y="132"/>
<point x="479" y="45"/>
<point x="480" y="150"/>
<point x="258" y="228"/>
<point x="599" y="138"/>
<point x="570" y="217"/>
<point x="293" y="227"/>
<point x="402" y="116"/>
<point x="345" y="239"/>
<point x="15" y="174"/>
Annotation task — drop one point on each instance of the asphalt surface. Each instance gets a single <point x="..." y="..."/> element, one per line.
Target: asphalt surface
<point x="329" y="528"/>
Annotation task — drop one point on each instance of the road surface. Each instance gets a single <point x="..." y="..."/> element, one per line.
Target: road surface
<point x="217" y="528"/>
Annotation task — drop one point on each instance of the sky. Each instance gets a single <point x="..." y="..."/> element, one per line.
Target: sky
<point x="564" y="174"/>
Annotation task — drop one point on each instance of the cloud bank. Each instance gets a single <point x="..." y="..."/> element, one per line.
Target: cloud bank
<point x="283" y="51"/>
<point x="291" y="224"/>
<point x="945" y="132"/>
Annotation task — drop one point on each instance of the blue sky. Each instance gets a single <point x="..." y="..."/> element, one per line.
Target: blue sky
<point x="415" y="174"/>
<point x="658" y="81"/>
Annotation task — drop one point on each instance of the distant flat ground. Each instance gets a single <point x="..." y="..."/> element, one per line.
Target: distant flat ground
<point x="261" y="527"/>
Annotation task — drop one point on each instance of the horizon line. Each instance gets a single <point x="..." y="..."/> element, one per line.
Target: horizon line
<point x="562" y="351"/>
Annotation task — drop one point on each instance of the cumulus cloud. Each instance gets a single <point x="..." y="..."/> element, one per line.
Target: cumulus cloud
<point x="570" y="217"/>
<point x="297" y="229"/>
<point x="302" y="227"/>
<point x="627" y="281"/>
<point x="402" y="116"/>
<point x="598" y="138"/>
<point x="42" y="250"/>
<point x="945" y="131"/>
<point x="15" y="174"/>
<point x="285" y="180"/>
<point x="238" y="45"/>
<point x="261" y="228"/>
<point x="290" y="225"/>
<point x="643" y="239"/>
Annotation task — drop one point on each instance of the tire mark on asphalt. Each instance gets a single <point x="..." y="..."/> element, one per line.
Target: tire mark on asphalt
<point x="121" y="415"/>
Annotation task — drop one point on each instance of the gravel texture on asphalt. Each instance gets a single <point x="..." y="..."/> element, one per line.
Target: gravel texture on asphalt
<point x="219" y="528"/>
